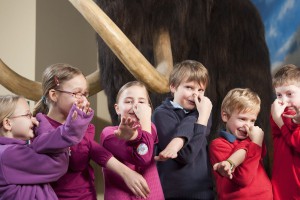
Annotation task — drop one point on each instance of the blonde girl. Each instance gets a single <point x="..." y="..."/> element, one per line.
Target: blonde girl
<point x="25" y="168"/>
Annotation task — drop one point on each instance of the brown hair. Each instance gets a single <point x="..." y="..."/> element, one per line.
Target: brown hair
<point x="241" y="100"/>
<point x="53" y="76"/>
<point x="189" y="70"/>
<point x="286" y="75"/>
<point x="8" y="105"/>
<point x="130" y="84"/>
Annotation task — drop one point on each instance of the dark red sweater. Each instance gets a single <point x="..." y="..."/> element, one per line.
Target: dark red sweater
<point x="250" y="180"/>
<point x="286" y="163"/>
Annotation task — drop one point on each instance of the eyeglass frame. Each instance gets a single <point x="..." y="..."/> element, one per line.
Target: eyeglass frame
<point x="28" y="115"/>
<point x="74" y="94"/>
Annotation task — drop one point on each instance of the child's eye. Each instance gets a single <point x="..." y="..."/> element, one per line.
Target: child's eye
<point x="278" y="95"/>
<point x="128" y="102"/>
<point x="142" y="102"/>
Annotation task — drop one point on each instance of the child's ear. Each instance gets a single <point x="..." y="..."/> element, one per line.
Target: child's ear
<point x="172" y="89"/>
<point x="52" y="95"/>
<point x="6" y="123"/>
<point x="224" y="116"/>
<point x="117" y="109"/>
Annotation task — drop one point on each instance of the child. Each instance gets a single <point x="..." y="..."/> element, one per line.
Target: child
<point x="285" y="123"/>
<point x="62" y="86"/>
<point x="248" y="180"/>
<point x="25" y="169"/>
<point x="132" y="142"/>
<point x="183" y="124"/>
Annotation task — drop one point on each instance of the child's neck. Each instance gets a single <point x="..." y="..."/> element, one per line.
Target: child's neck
<point x="57" y="116"/>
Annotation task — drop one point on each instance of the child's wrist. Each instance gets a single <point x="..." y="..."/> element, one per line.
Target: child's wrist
<point x="295" y="121"/>
<point x="232" y="165"/>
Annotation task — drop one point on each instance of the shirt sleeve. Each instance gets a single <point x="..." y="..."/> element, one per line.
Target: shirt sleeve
<point x="22" y="165"/>
<point x="169" y="126"/>
<point x="50" y="140"/>
<point x="290" y="133"/>
<point x="138" y="152"/>
<point x="245" y="173"/>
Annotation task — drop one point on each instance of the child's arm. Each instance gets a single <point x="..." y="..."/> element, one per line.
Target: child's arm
<point x="204" y="106"/>
<point x="277" y="109"/>
<point x="50" y="140"/>
<point x="171" y="150"/>
<point x="134" y="181"/>
<point x="227" y="167"/>
<point x="20" y="164"/>
<point x="192" y="134"/>
<point x="137" y="152"/>
<point x="176" y="144"/>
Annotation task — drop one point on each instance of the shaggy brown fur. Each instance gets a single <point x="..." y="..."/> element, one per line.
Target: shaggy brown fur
<point x="226" y="36"/>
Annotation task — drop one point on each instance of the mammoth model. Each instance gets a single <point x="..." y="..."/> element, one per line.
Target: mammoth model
<point x="151" y="35"/>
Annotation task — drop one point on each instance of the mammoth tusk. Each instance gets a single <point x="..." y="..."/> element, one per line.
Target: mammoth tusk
<point x="32" y="89"/>
<point x="18" y="84"/>
<point x="93" y="80"/>
<point x="122" y="47"/>
<point x="163" y="53"/>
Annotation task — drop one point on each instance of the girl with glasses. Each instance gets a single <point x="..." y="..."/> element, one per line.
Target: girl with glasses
<point x="62" y="86"/>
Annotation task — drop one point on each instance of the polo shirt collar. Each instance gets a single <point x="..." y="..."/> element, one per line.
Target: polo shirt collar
<point x="228" y="136"/>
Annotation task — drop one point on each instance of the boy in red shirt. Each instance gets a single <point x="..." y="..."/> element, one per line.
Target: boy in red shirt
<point x="285" y="124"/>
<point x="237" y="154"/>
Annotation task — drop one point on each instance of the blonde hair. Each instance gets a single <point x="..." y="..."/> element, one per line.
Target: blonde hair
<point x="8" y="104"/>
<point x="241" y="100"/>
<point x="130" y="84"/>
<point x="189" y="70"/>
<point x="287" y="75"/>
<point x="53" y="77"/>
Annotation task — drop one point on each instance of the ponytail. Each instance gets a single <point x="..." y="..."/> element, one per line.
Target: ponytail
<point x="41" y="107"/>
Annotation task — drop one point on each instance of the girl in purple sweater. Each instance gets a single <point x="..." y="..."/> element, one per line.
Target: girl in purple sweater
<point x="132" y="142"/>
<point x="26" y="169"/>
<point x="62" y="86"/>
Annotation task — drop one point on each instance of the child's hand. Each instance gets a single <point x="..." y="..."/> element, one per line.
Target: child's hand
<point x="255" y="134"/>
<point x="83" y="105"/>
<point x="143" y="113"/>
<point x="166" y="154"/>
<point x="223" y="168"/>
<point x="204" y="107"/>
<point x="127" y="129"/>
<point x="277" y="109"/>
<point x="295" y="117"/>
<point x="171" y="150"/>
<point x="136" y="183"/>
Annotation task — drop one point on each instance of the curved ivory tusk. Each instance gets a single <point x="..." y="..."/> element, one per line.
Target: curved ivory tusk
<point x="163" y="53"/>
<point x="18" y="84"/>
<point x="93" y="80"/>
<point x="122" y="47"/>
<point x="33" y="89"/>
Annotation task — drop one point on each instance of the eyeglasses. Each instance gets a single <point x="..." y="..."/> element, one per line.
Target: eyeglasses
<point x="77" y="95"/>
<point x="28" y="115"/>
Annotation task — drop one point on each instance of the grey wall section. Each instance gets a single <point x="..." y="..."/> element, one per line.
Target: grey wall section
<point x="63" y="35"/>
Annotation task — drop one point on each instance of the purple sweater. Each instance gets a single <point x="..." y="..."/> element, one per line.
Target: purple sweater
<point x="26" y="170"/>
<point x="137" y="155"/>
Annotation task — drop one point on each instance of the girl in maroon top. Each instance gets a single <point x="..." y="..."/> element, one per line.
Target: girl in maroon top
<point x="132" y="142"/>
<point x="63" y="85"/>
